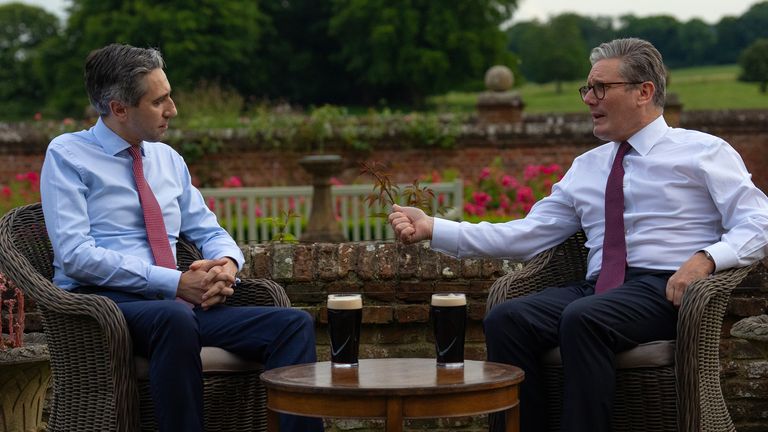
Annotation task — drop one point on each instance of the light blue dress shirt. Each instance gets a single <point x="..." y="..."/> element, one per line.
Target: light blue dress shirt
<point x="684" y="191"/>
<point x="96" y="223"/>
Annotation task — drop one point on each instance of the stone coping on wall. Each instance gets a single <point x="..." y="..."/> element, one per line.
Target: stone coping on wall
<point x="32" y="138"/>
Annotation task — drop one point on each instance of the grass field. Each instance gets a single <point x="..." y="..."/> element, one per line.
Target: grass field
<point x="700" y="88"/>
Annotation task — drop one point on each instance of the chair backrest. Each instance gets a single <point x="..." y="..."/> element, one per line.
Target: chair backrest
<point x="24" y="230"/>
<point x="27" y="233"/>
<point x="570" y="258"/>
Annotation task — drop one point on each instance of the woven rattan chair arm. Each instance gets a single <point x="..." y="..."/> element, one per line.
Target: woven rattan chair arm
<point x="520" y="282"/>
<point x="700" y="400"/>
<point x="259" y="292"/>
<point x="563" y="263"/>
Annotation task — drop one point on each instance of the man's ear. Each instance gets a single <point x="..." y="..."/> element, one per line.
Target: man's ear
<point x="118" y="109"/>
<point x="647" y="90"/>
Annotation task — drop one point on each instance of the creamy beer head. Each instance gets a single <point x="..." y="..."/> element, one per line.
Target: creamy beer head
<point x="449" y="300"/>
<point x="345" y="301"/>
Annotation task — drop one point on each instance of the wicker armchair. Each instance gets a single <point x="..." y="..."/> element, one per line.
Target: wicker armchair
<point x="661" y="386"/>
<point x="98" y="384"/>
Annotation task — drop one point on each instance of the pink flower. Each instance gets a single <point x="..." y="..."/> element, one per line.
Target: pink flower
<point x="550" y="169"/>
<point x="335" y="182"/>
<point x="531" y="171"/>
<point x="233" y="182"/>
<point x="525" y="194"/>
<point x="481" y="198"/>
<point x="38" y="116"/>
<point x="504" y="203"/>
<point x="485" y="173"/>
<point x="6" y="192"/>
<point x="509" y="182"/>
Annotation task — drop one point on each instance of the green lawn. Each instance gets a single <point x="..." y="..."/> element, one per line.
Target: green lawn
<point x="700" y="88"/>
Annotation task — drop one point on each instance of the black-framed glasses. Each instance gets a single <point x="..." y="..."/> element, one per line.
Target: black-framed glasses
<point x="599" y="88"/>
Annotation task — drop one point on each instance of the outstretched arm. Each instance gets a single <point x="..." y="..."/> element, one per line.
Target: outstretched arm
<point x="411" y="224"/>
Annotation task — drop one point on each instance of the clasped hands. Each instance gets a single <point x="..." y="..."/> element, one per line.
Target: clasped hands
<point x="208" y="282"/>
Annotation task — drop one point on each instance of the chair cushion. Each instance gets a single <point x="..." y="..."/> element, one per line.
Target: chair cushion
<point x="652" y="354"/>
<point x="214" y="360"/>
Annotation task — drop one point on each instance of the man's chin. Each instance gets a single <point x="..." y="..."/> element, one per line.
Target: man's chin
<point x="599" y="134"/>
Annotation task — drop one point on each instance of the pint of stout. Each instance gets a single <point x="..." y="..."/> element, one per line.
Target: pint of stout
<point x="345" y="313"/>
<point x="449" y="320"/>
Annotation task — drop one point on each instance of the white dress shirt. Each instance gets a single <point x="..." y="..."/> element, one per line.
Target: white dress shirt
<point x="684" y="191"/>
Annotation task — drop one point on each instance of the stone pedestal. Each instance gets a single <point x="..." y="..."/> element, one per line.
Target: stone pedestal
<point x="498" y="104"/>
<point x="25" y="374"/>
<point x="500" y="107"/>
<point x="322" y="225"/>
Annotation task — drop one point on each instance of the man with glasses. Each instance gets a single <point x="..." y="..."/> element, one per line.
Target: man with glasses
<point x="661" y="208"/>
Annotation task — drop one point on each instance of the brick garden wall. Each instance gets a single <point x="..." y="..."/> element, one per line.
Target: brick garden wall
<point x="540" y="139"/>
<point x="397" y="281"/>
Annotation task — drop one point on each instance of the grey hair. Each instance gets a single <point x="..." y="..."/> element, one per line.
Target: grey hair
<point x="640" y="61"/>
<point x="116" y="72"/>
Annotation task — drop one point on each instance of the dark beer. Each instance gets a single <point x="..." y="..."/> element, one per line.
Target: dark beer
<point x="345" y="313"/>
<point x="449" y="320"/>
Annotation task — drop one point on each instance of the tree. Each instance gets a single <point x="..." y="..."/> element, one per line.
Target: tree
<point x="211" y="41"/>
<point x="730" y="41"/>
<point x="754" y="64"/>
<point x="661" y="30"/>
<point x="23" y="29"/>
<point x="699" y="39"/>
<point x="298" y="55"/>
<point x="549" y="52"/>
<point x="403" y="50"/>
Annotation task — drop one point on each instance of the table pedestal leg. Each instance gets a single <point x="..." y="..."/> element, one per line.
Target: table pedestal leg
<point x="394" y="420"/>
<point x="513" y="419"/>
<point x="273" y="421"/>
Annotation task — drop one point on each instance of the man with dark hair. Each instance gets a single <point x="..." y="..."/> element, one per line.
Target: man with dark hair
<point x="661" y="207"/>
<point x="116" y="202"/>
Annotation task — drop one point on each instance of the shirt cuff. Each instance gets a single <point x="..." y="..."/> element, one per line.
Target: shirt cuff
<point x="162" y="283"/>
<point x="445" y="236"/>
<point x="723" y="255"/>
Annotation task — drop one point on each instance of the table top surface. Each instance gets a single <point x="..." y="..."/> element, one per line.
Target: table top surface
<point x="392" y="376"/>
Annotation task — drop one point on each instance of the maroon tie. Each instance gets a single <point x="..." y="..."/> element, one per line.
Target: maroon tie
<point x="153" y="217"/>
<point x="614" y="243"/>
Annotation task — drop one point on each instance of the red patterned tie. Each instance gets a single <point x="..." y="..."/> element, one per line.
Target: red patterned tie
<point x="153" y="216"/>
<point x="614" y="243"/>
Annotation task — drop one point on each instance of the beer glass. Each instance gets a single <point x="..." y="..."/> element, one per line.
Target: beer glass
<point x="449" y="320"/>
<point x="345" y="312"/>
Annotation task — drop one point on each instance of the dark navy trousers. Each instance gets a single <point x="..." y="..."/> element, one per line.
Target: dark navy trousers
<point x="590" y="329"/>
<point x="170" y="334"/>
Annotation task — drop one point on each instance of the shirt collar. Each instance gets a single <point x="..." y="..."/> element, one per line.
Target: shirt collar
<point x="644" y="139"/>
<point x="111" y="142"/>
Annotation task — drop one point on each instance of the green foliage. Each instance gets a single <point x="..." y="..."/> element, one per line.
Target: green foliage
<point x="211" y="41"/>
<point x="207" y="105"/>
<point x="283" y="225"/>
<point x="754" y="64"/>
<point x="23" y="30"/>
<point x="551" y="52"/>
<point x="403" y="50"/>
<point x="335" y="125"/>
